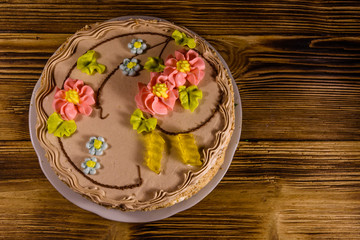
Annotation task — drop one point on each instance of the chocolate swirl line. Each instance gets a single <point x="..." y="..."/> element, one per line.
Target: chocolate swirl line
<point x="119" y="36"/>
<point x="123" y="187"/>
<point x="98" y="93"/>
<point x="97" y="105"/>
<point x="128" y="34"/>
<point x="166" y="43"/>
<point x="211" y="155"/>
<point x="107" y="78"/>
<point x="68" y="75"/>
<point x="194" y="128"/>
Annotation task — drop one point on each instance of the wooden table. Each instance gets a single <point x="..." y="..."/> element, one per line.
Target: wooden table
<point x="296" y="172"/>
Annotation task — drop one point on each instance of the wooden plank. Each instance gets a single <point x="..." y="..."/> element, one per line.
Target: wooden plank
<point x="296" y="64"/>
<point x="19" y="161"/>
<point x="298" y="88"/>
<point x="35" y="210"/>
<point x="210" y="17"/>
<point x="22" y="58"/>
<point x="273" y="190"/>
<point x="253" y="161"/>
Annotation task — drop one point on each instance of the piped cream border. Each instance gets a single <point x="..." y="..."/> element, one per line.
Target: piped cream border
<point x="194" y="181"/>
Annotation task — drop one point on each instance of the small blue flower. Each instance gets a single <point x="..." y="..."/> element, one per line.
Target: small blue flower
<point x="137" y="46"/>
<point x="90" y="165"/>
<point x="96" y="145"/>
<point x="130" y="66"/>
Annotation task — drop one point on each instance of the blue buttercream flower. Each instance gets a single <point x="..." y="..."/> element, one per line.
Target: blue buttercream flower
<point x="96" y="145"/>
<point x="90" y="165"/>
<point x="137" y="46"/>
<point x="130" y="66"/>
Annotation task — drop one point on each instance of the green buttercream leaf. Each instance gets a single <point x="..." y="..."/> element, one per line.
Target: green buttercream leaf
<point x="154" y="148"/>
<point x="59" y="127"/>
<point x="186" y="148"/>
<point x="191" y="43"/>
<point x="87" y="63"/>
<point x="154" y="64"/>
<point x="142" y="124"/>
<point x="136" y="118"/>
<point x="183" y="40"/>
<point x="178" y="37"/>
<point x="189" y="97"/>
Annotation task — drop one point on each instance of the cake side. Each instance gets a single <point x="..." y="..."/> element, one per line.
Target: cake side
<point x="189" y="180"/>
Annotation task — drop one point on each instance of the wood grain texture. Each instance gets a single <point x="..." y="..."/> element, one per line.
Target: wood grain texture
<point x="204" y="17"/>
<point x="283" y="81"/>
<point x="296" y="88"/>
<point x="295" y="174"/>
<point x="273" y="190"/>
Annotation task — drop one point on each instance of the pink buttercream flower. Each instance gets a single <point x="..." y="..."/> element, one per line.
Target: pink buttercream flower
<point x="75" y="98"/>
<point x="158" y="97"/>
<point x="186" y="65"/>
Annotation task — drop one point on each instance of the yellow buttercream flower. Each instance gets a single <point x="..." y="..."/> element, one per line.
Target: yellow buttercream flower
<point x="130" y="65"/>
<point x="72" y="96"/>
<point x="137" y="44"/>
<point x="183" y="66"/>
<point x="90" y="164"/>
<point x="97" y="144"/>
<point x="160" y="90"/>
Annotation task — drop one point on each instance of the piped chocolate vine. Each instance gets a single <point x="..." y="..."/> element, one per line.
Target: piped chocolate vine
<point x="119" y="36"/>
<point x="197" y="127"/>
<point x="123" y="187"/>
<point x="98" y="106"/>
<point x="98" y="93"/>
<point x="166" y="43"/>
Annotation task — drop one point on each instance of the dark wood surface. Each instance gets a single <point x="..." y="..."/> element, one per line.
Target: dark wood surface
<point x="296" y="171"/>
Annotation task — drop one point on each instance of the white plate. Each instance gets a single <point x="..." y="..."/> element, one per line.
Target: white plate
<point x="138" y="216"/>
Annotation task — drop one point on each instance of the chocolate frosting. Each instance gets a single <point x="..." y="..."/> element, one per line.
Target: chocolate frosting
<point x="212" y="123"/>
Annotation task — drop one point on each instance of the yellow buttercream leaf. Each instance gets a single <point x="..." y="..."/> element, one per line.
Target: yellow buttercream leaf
<point x="186" y="148"/>
<point x="154" y="148"/>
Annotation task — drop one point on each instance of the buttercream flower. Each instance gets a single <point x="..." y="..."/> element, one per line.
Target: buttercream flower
<point x="158" y="97"/>
<point x="90" y="165"/>
<point x="75" y="98"/>
<point x="186" y="65"/>
<point x="96" y="145"/>
<point x="137" y="46"/>
<point x="130" y="66"/>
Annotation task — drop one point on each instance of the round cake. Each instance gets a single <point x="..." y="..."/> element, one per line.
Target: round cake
<point x="135" y="114"/>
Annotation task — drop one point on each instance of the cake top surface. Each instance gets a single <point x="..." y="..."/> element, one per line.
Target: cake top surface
<point x="135" y="114"/>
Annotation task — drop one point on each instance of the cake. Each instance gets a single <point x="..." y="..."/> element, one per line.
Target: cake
<point x="135" y="114"/>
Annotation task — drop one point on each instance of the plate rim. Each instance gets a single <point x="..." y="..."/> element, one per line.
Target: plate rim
<point x="137" y="216"/>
